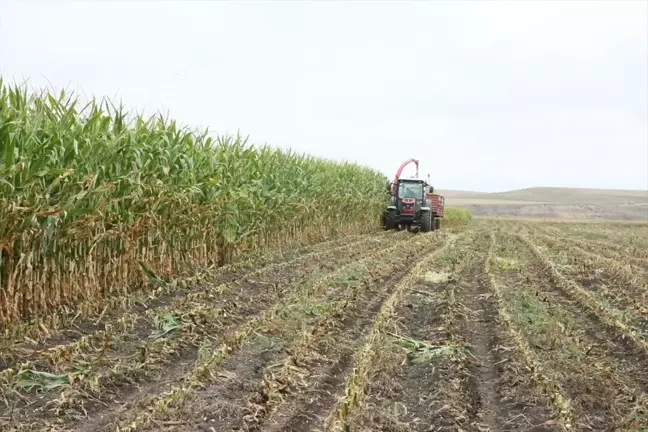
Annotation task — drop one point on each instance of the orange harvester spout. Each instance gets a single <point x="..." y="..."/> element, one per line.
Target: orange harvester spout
<point x="400" y="170"/>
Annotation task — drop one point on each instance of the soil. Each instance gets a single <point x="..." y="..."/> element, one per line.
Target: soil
<point x="459" y="329"/>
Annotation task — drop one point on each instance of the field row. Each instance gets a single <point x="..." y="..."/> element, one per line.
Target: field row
<point x="495" y="326"/>
<point x="156" y="357"/>
<point x="520" y="334"/>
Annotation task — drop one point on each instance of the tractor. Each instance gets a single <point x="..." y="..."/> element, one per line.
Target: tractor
<point x="412" y="203"/>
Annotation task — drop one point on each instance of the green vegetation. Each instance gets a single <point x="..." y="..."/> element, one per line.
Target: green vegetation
<point x="94" y="202"/>
<point x="456" y="216"/>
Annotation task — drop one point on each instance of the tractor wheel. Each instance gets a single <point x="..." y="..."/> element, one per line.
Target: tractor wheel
<point x="389" y="220"/>
<point x="427" y="224"/>
<point x="438" y="223"/>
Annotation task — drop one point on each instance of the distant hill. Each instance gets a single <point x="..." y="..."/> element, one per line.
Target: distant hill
<point x="554" y="203"/>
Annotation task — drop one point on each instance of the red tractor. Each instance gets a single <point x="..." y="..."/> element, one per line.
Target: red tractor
<point x="413" y="203"/>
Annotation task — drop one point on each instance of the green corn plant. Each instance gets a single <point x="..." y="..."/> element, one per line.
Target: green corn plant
<point x="93" y="200"/>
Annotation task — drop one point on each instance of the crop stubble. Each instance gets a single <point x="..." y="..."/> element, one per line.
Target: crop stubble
<point x="137" y="352"/>
<point x="498" y="326"/>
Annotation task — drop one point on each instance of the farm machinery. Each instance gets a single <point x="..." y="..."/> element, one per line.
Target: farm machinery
<point x="412" y="203"/>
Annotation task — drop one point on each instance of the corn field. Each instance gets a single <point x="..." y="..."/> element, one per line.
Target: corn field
<point x="94" y="202"/>
<point x="118" y="311"/>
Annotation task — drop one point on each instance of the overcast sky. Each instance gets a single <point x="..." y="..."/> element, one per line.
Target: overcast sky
<point x="490" y="96"/>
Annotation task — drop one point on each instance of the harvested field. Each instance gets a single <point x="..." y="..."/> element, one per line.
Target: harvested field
<point x="496" y="325"/>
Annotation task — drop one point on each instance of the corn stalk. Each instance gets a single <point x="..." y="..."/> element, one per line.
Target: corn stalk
<point x="95" y="202"/>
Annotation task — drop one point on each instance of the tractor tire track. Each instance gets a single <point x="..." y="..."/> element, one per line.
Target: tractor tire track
<point x="109" y="317"/>
<point x="618" y="368"/>
<point x="296" y="366"/>
<point x="140" y="413"/>
<point x="499" y="398"/>
<point x="407" y="390"/>
<point x="250" y="297"/>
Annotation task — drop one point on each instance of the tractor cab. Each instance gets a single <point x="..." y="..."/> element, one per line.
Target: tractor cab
<point x="408" y="197"/>
<point x="409" y="188"/>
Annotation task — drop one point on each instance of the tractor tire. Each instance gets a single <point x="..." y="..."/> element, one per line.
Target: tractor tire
<point x="389" y="220"/>
<point x="427" y="223"/>
<point x="438" y="223"/>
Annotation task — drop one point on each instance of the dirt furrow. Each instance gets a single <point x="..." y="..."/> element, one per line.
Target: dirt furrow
<point x="480" y="333"/>
<point x="348" y="413"/>
<point x="142" y="361"/>
<point x="618" y="252"/>
<point x="327" y="363"/>
<point x="413" y="383"/>
<point x="601" y="374"/>
<point x="601" y="293"/>
<point x="250" y="385"/>
<point x="440" y="363"/>
<point x="494" y="380"/>
<point x="632" y="276"/>
<point x="604" y="338"/>
<point x="633" y="237"/>
<point x="330" y="362"/>
<point x="499" y="326"/>
<point x="142" y="412"/>
<point x="31" y="341"/>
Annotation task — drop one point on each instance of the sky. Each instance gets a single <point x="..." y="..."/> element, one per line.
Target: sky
<point x="489" y="96"/>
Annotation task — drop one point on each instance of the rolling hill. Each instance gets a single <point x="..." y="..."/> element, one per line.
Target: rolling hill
<point x="554" y="203"/>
